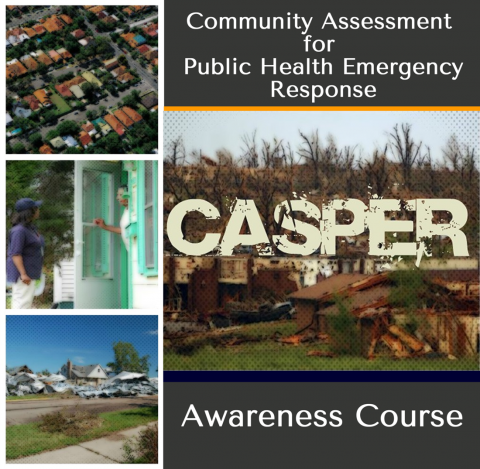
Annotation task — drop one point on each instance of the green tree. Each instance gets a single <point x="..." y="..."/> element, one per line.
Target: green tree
<point x="127" y="359"/>
<point x="88" y="89"/>
<point x="122" y="60"/>
<point x="129" y="101"/>
<point x="73" y="151"/>
<point x="51" y="134"/>
<point x="68" y="127"/>
<point x="113" y="143"/>
<point x="45" y="372"/>
<point x="18" y="148"/>
<point x="36" y="139"/>
<point x="42" y="68"/>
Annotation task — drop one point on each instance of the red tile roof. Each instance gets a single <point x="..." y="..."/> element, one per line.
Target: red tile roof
<point x="134" y="115"/>
<point x="123" y="118"/>
<point x="114" y="124"/>
<point x="32" y="101"/>
<point x="46" y="150"/>
<point x="84" y="138"/>
<point x="63" y="90"/>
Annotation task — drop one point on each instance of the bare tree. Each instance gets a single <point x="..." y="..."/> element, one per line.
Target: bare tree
<point x="405" y="150"/>
<point x="376" y="172"/>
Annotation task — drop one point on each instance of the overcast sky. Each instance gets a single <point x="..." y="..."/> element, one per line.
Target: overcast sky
<point x="46" y="342"/>
<point x="211" y="131"/>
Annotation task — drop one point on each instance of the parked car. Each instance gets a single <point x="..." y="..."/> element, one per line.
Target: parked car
<point x="75" y="113"/>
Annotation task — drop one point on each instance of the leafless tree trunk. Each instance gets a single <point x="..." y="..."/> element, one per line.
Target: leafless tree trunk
<point x="405" y="150"/>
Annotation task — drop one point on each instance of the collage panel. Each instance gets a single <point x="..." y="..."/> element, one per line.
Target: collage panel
<point x="82" y="234"/>
<point x="321" y="240"/>
<point x="82" y="79"/>
<point x="81" y="389"/>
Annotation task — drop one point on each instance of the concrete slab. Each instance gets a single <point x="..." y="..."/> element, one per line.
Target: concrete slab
<point x="112" y="446"/>
<point x="70" y="455"/>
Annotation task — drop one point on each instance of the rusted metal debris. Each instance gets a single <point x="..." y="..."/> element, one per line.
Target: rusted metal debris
<point x="320" y="353"/>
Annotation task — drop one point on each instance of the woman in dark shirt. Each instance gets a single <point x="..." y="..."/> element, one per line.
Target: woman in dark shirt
<point x="25" y="253"/>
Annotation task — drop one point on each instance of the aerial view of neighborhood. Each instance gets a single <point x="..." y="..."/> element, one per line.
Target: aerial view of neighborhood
<point x="82" y="79"/>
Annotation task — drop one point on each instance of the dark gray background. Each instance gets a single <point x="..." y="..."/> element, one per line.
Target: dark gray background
<point x="345" y="447"/>
<point x="456" y="45"/>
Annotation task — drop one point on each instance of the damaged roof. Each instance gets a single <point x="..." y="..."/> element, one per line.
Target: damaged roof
<point x="333" y="284"/>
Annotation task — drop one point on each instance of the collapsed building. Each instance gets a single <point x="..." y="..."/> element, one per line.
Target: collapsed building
<point x="446" y="323"/>
<point x="122" y="385"/>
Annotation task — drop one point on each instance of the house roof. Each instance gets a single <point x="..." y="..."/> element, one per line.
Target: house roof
<point x="64" y="53"/>
<point x="75" y="81"/>
<point x="71" y="142"/>
<point x="53" y="24"/>
<point x="33" y="102"/>
<point x="15" y="69"/>
<point x="30" y="32"/>
<point x="128" y="36"/>
<point x="118" y="71"/>
<point x="20" y="369"/>
<point x="77" y="91"/>
<point x="332" y="284"/>
<point x="109" y="19"/>
<point x="88" y="127"/>
<point x="63" y="90"/>
<point x="151" y="54"/>
<point x="84" y="138"/>
<point x="46" y="150"/>
<point x="134" y="115"/>
<point x="143" y="48"/>
<point x="39" y="29"/>
<point x="125" y="77"/>
<point x="151" y="30"/>
<point x="14" y="32"/>
<point x="97" y="9"/>
<point x="66" y="19"/>
<point x="78" y="34"/>
<point x="54" y="55"/>
<point x="42" y="96"/>
<point x="57" y="142"/>
<point x="115" y="124"/>
<point x="123" y="118"/>
<point x="44" y="58"/>
<point x="149" y="100"/>
<point x="85" y="371"/>
<point x="91" y="78"/>
<point x="86" y="41"/>
<point x="155" y="61"/>
<point x="365" y="301"/>
<point x="28" y="61"/>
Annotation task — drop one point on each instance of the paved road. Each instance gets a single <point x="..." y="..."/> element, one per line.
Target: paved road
<point x="31" y="17"/>
<point x="19" y="412"/>
<point x="132" y="25"/>
<point x="133" y="64"/>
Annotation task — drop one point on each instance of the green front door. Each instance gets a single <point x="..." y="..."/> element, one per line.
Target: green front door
<point x="98" y="266"/>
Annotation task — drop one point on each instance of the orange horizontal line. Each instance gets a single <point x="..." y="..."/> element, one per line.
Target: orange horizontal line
<point x="321" y="108"/>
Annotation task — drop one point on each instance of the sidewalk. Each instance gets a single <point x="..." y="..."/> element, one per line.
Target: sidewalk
<point x="106" y="450"/>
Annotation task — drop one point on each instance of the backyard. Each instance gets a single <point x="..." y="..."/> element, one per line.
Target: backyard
<point x="62" y="106"/>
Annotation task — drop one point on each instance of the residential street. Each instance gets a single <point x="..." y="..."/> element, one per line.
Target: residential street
<point x="19" y="412"/>
<point x="142" y="72"/>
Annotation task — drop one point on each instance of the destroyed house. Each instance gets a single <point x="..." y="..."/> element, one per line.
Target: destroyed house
<point x="20" y="369"/>
<point x="88" y="373"/>
<point x="445" y="324"/>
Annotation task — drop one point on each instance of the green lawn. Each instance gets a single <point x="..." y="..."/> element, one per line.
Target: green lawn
<point x="210" y="353"/>
<point x="41" y="396"/>
<point x="27" y="439"/>
<point x="62" y="106"/>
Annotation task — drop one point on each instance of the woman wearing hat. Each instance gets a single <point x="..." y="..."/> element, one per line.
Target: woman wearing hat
<point x="25" y="253"/>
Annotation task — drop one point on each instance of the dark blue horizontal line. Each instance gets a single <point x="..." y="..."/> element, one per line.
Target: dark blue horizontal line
<point x="320" y="376"/>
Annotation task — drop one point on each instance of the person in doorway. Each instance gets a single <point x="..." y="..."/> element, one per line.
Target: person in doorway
<point x="25" y="253"/>
<point x="124" y="221"/>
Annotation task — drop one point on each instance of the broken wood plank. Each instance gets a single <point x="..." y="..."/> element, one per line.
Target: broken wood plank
<point x="408" y="339"/>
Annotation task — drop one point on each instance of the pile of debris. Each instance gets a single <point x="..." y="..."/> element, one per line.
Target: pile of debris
<point x="123" y="384"/>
